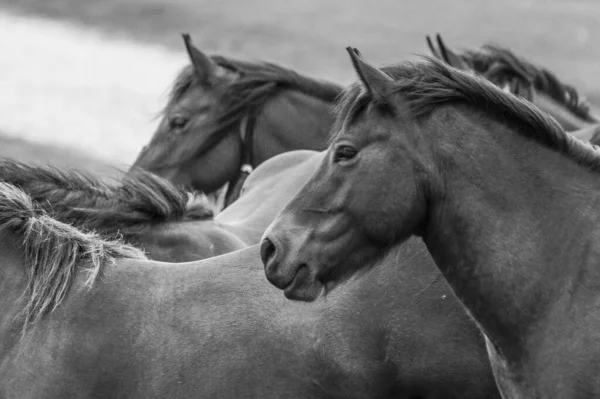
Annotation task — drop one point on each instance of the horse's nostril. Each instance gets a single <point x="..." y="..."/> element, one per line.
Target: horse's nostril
<point x="267" y="250"/>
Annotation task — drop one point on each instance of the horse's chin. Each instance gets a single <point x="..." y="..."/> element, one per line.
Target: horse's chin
<point x="309" y="294"/>
<point x="303" y="287"/>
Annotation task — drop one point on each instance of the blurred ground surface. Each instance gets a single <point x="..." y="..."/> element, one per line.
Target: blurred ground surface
<point x="72" y="87"/>
<point x="310" y="35"/>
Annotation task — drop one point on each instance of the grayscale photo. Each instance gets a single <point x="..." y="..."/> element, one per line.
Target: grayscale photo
<point x="300" y="199"/>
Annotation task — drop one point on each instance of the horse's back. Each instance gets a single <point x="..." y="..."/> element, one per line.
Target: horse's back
<point x="268" y="189"/>
<point x="287" y="169"/>
<point x="188" y="241"/>
<point x="155" y="330"/>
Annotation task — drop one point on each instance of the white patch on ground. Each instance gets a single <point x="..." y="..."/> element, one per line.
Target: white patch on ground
<point x="69" y="86"/>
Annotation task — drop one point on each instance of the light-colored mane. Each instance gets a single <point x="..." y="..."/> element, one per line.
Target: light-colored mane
<point x="53" y="252"/>
<point x="113" y="209"/>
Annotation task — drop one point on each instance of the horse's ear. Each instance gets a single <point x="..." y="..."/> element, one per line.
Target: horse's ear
<point x="433" y="50"/>
<point x="204" y="67"/>
<point x="375" y="81"/>
<point x="447" y="55"/>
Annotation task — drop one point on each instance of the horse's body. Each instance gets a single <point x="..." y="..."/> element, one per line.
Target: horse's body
<point x="537" y="85"/>
<point x="266" y="191"/>
<point x="215" y="328"/>
<point x="225" y="117"/>
<point x="188" y="240"/>
<point x="504" y="199"/>
<point x="168" y="223"/>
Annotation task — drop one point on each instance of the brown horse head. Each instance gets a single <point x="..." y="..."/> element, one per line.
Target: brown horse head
<point x="224" y="114"/>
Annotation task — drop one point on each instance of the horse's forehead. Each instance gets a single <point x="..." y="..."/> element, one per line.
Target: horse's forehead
<point x="194" y="96"/>
<point x="369" y="126"/>
<point x="191" y="89"/>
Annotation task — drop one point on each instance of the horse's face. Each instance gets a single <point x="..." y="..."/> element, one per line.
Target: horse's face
<point x="185" y="148"/>
<point x="367" y="194"/>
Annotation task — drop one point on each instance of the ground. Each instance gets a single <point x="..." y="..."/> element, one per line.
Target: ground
<point x="310" y="35"/>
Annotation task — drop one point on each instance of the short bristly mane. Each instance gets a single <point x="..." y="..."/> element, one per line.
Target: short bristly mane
<point x="53" y="252"/>
<point x="430" y="84"/>
<point x="498" y="65"/>
<point x="124" y="208"/>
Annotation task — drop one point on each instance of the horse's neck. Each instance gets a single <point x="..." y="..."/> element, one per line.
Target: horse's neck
<point x="13" y="281"/>
<point x="515" y="223"/>
<point x="291" y="120"/>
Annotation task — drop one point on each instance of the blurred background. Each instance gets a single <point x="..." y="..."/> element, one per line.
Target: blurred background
<point x="82" y="81"/>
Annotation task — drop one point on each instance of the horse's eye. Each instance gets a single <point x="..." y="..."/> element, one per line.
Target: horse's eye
<point x="177" y="122"/>
<point x="344" y="153"/>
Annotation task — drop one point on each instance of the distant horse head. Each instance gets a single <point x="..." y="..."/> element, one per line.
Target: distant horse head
<point x="143" y="209"/>
<point x="518" y="76"/>
<point x="225" y="117"/>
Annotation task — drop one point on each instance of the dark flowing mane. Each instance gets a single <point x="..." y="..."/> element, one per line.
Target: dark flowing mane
<point x="111" y="209"/>
<point x="257" y="83"/>
<point x="53" y="252"/>
<point x="431" y="84"/>
<point x="499" y="65"/>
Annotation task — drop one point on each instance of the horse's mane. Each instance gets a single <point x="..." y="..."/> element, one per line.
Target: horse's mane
<point x="112" y="209"/>
<point x="53" y="252"/>
<point x="431" y="84"/>
<point x="499" y="65"/>
<point x="257" y="83"/>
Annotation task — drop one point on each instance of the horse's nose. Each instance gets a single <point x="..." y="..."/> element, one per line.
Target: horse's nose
<point x="267" y="251"/>
<point x="280" y="268"/>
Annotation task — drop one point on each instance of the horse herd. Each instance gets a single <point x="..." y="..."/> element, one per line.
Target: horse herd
<point x="432" y="228"/>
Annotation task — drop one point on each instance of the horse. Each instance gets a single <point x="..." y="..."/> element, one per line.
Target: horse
<point x="505" y="201"/>
<point x="537" y="85"/>
<point x="224" y="117"/>
<point x="146" y="211"/>
<point x="86" y="317"/>
<point x="205" y="139"/>
<point x="266" y="191"/>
